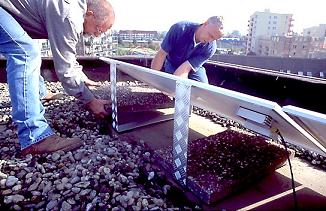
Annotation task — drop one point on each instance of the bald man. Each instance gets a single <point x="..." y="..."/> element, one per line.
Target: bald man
<point x="62" y="22"/>
<point x="187" y="46"/>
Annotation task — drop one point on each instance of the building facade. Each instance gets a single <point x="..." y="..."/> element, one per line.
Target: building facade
<point x="99" y="46"/>
<point x="263" y="25"/>
<point x="137" y="35"/>
<point x="92" y="46"/>
<point x="300" y="47"/>
<point x="280" y="46"/>
<point x="318" y="45"/>
<point x="315" y="31"/>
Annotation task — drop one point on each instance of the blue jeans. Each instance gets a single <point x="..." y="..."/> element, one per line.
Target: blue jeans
<point x="199" y="75"/>
<point x="26" y="85"/>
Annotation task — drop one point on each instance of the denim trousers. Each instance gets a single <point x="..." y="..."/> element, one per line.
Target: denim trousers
<point x="199" y="75"/>
<point x="26" y="85"/>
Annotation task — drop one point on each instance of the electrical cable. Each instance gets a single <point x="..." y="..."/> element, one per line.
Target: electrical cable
<point x="292" y="177"/>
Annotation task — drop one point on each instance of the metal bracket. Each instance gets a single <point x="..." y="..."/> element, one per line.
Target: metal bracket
<point x="113" y="79"/>
<point x="255" y="121"/>
<point x="180" y="131"/>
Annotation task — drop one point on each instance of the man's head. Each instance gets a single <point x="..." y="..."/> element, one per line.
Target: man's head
<point x="99" y="17"/>
<point x="211" y="30"/>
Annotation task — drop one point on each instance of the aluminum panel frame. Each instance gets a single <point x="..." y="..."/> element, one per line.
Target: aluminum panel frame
<point x="226" y="103"/>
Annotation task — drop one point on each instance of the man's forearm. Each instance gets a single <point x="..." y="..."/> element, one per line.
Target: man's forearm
<point x="158" y="60"/>
<point x="183" y="70"/>
<point x="156" y="64"/>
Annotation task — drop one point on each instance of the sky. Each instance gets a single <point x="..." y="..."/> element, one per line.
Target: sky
<point x="159" y="15"/>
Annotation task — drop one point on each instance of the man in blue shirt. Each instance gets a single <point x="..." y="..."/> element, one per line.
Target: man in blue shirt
<point x="187" y="46"/>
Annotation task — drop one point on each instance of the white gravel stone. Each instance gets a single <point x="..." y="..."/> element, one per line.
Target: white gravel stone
<point x="65" y="206"/>
<point x="11" y="181"/>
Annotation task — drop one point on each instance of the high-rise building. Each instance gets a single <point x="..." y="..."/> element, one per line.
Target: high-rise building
<point x="264" y="25"/>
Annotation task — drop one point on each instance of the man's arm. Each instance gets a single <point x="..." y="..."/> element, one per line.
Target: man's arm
<point x="63" y="33"/>
<point x="158" y="60"/>
<point x="183" y="70"/>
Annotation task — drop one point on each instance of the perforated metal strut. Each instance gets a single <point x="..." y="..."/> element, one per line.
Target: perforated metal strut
<point x="113" y="79"/>
<point x="180" y="131"/>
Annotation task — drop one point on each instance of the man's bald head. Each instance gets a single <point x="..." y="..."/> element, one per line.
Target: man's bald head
<point x="99" y="17"/>
<point x="102" y="9"/>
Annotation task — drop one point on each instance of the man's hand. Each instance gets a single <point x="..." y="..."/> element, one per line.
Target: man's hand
<point x="91" y="83"/>
<point x="98" y="107"/>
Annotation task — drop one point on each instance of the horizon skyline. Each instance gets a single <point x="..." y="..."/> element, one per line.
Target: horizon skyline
<point x="144" y="15"/>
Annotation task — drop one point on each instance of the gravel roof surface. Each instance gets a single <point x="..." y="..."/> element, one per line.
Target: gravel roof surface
<point x="106" y="173"/>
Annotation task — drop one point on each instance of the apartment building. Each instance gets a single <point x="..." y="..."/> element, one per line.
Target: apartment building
<point x="263" y="46"/>
<point x="300" y="47"/>
<point x="285" y="46"/>
<point x="137" y="35"/>
<point x="99" y="46"/>
<point x="315" y="31"/>
<point x="263" y="25"/>
<point x="280" y="46"/>
<point x="92" y="46"/>
<point x="318" y="36"/>
<point x="45" y="48"/>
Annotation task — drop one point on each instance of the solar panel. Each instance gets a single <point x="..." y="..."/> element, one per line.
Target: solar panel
<point x="259" y="115"/>
<point x="313" y="122"/>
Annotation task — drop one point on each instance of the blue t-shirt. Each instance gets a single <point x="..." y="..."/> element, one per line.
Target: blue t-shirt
<point x="180" y="46"/>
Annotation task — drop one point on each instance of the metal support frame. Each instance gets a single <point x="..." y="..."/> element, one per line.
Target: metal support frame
<point x="180" y="131"/>
<point x="113" y="79"/>
<point x="152" y="116"/>
<point x="262" y="116"/>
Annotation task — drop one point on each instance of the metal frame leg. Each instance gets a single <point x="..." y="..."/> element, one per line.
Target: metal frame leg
<point x="180" y="131"/>
<point x="113" y="79"/>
